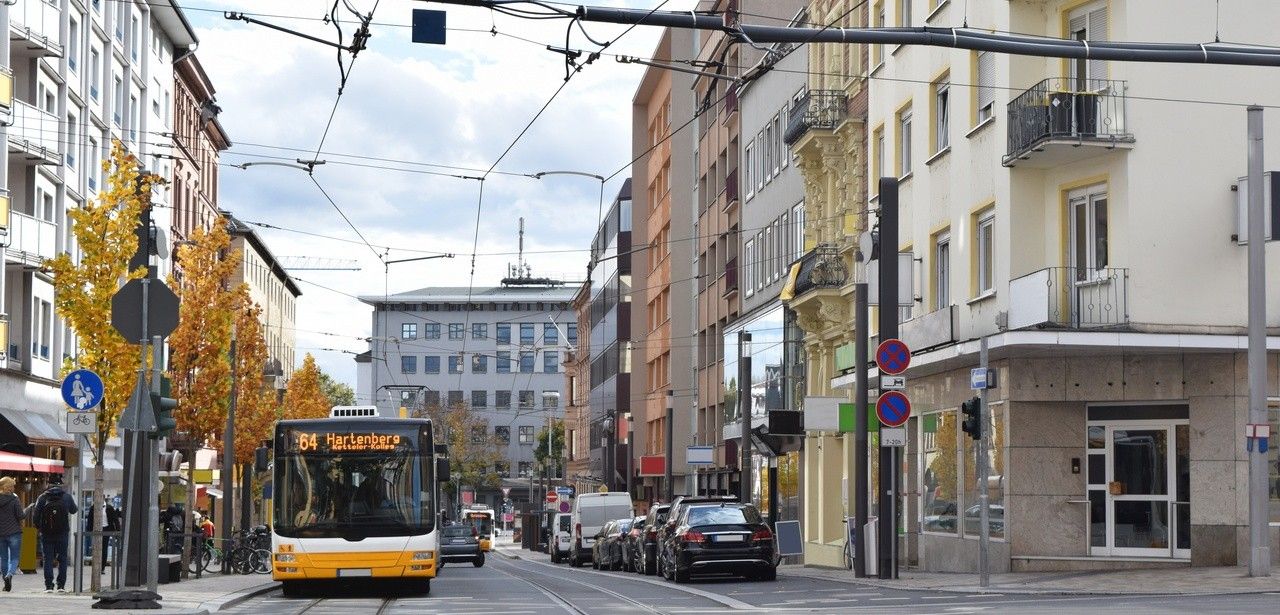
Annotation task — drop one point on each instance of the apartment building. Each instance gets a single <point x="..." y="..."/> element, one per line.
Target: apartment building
<point x="580" y="471"/>
<point x="271" y="288"/>
<point x="716" y="224"/>
<point x="662" y="270"/>
<point x="498" y="350"/>
<point x="827" y="136"/>
<point x="1083" y="217"/>
<point x="198" y="138"/>
<point x="74" y="77"/>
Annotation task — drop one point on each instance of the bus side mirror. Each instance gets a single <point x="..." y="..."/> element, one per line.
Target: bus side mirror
<point x="442" y="469"/>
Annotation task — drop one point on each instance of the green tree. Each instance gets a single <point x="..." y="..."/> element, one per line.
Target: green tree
<point x="550" y="451"/>
<point x="339" y="393"/>
<point x="474" y="453"/>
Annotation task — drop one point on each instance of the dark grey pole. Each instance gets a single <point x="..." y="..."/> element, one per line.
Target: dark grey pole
<point x="229" y="457"/>
<point x="888" y="329"/>
<point x="744" y="413"/>
<point x="1259" y="545"/>
<point x="861" y="464"/>
<point x="984" y="518"/>
<point x="631" y="456"/>
<point x="773" y="494"/>
<point x="668" y="487"/>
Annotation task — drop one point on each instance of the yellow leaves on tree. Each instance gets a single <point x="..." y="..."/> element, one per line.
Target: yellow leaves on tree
<point x="473" y="451"/>
<point x="199" y="366"/>
<point x="304" y="399"/>
<point x="255" y="408"/>
<point x="83" y="287"/>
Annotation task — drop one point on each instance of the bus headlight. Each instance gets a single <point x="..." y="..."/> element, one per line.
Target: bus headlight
<point x="423" y="555"/>
<point x="285" y="558"/>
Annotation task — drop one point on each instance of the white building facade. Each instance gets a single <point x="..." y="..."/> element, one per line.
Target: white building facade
<point x="75" y="76"/>
<point x="1082" y="215"/>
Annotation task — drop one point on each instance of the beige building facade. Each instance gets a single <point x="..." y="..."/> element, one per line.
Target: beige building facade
<point x="274" y="291"/>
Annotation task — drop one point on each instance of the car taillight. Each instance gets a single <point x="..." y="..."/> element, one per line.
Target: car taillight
<point x="761" y="534"/>
<point x="693" y="536"/>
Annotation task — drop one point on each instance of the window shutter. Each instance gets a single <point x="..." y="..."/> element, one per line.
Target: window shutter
<point x="1097" y="32"/>
<point x="986" y="79"/>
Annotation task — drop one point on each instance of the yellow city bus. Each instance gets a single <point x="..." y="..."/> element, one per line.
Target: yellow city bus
<point x="354" y="496"/>
<point x="480" y="516"/>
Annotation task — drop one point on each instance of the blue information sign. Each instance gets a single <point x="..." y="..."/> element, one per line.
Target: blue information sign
<point x="82" y="390"/>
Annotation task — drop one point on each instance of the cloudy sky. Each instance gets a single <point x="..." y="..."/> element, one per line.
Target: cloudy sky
<point x="408" y="107"/>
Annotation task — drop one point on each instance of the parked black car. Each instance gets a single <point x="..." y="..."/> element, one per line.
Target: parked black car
<point x="459" y="543"/>
<point x="724" y="538"/>
<point x="606" y="553"/>
<point x="631" y="544"/>
<point x="666" y="531"/>
<point x="647" y="549"/>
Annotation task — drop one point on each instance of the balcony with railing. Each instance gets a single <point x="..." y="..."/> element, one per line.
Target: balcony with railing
<point x="821" y="267"/>
<point x="35" y="134"/>
<point x="817" y="109"/>
<point x="35" y="28"/>
<point x="1060" y="121"/>
<point x="1070" y="298"/>
<point x="31" y="240"/>
<point x="731" y="276"/>
<point x="730" y="104"/>
<point x="731" y="188"/>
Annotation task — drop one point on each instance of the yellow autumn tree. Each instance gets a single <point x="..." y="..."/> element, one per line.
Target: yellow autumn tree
<point x="83" y="287"/>
<point x="255" y="404"/>
<point x="304" y="399"/>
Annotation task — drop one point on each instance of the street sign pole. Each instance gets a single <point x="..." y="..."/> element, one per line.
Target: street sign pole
<point x="744" y="413"/>
<point x="984" y="542"/>
<point x="862" y="468"/>
<point x="1259" y="535"/>
<point x="886" y="551"/>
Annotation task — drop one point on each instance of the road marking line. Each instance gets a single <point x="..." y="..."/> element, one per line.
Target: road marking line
<point x="732" y="603"/>
<point x="889" y="599"/>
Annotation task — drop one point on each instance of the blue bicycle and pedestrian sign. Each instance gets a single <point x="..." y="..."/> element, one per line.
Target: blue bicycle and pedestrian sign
<point x="893" y="409"/>
<point x="82" y="390"/>
<point x="893" y="357"/>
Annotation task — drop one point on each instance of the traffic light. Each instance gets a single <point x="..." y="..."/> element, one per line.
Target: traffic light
<point x="163" y="406"/>
<point x="972" y="423"/>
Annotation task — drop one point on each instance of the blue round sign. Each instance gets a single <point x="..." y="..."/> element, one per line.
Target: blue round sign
<point x="893" y="357"/>
<point x="82" y="390"/>
<point x="893" y="409"/>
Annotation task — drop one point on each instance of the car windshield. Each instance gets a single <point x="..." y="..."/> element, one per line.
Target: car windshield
<point x="622" y="526"/>
<point x="721" y="515"/>
<point x="457" y="531"/>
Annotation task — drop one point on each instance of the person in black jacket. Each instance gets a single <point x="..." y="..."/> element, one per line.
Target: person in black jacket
<point x="52" y="517"/>
<point x="11" y="516"/>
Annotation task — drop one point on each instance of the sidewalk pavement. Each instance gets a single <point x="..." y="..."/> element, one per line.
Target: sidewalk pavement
<point x="208" y="594"/>
<point x="1165" y="581"/>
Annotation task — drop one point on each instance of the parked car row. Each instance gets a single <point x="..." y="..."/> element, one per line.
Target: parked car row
<point x="692" y="535"/>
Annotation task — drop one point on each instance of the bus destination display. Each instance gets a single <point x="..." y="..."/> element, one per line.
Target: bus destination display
<point x="348" y="442"/>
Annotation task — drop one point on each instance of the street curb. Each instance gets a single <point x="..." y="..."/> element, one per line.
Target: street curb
<point x="234" y="598"/>
<point x="953" y="589"/>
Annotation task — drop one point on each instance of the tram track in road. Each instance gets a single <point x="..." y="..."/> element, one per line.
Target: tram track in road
<point x="565" y="602"/>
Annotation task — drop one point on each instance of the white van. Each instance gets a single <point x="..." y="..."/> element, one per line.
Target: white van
<point x="562" y="537"/>
<point x="590" y="512"/>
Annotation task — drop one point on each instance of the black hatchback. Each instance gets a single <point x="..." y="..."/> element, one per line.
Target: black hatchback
<point x="459" y="543"/>
<point x="721" y="538"/>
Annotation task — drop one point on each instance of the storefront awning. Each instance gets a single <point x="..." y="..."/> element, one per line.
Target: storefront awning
<point x="38" y="429"/>
<point x="14" y="462"/>
<point x="112" y="475"/>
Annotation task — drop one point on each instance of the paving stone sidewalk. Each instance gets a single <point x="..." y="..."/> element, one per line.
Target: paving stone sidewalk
<point x="1166" y="581"/>
<point x="207" y="594"/>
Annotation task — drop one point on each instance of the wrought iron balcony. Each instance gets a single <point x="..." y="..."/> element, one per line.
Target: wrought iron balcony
<point x="1050" y="122"/>
<point x="1071" y="298"/>
<point x="821" y="267"/>
<point x="823" y="109"/>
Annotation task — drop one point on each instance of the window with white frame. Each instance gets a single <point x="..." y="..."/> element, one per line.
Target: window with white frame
<point x="986" y="253"/>
<point x="768" y="257"/>
<point x="759" y="260"/>
<point x="877" y="50"/>
<point x="904" y="13"/>
<point x="1089" y="223"/>
<point x="748" y="167"/>
<point x="769" y="150"/>
<point x="986" y="80"/>
<point x="942" y="116"/>
<point x="942" y="271"/>
<point x="797" y="229"/>
<point x="784" y="156"/>
<point x="747" y="268"/>
<point x="904" y="142"/>
<point x="760" y="171"/>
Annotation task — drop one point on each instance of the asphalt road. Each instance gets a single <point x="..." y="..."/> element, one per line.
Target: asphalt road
<point x="525" y="587"/>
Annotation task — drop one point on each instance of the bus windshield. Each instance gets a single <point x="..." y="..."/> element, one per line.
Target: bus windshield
<point x="482" y="521"/>
<point x="353" y="484"/>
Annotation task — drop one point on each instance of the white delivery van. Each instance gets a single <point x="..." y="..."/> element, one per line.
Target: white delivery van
<point x="562" y="537"/>
<point x="590" y="512"/>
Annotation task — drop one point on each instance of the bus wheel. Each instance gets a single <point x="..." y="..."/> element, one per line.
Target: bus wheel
<point x="426" y="586"/>
<point x="291" y="589"/>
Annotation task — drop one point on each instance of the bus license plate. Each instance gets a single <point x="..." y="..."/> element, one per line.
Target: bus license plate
<point x="729" y="538"/>
<point x="355" y="572"/>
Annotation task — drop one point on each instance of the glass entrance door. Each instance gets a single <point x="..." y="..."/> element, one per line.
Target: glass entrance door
<point x="1139" y="483"/>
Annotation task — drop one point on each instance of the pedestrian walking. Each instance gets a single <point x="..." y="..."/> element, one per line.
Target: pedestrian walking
<point x="53" y="518"/>
<point x="11" y="516"/>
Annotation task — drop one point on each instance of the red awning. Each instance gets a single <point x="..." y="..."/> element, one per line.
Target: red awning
<point x="26" y="463"/>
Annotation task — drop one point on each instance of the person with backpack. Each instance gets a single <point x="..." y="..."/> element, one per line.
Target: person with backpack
<point x="53" y="518"/>
<point x="11" y="516"/>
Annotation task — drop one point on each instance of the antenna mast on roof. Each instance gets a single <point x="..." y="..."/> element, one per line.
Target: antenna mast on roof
<point x="521" y="274"/>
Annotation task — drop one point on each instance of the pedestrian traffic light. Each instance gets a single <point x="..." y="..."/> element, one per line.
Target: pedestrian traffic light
<point x="163" y="406"/>
<point x="972" y="423"/>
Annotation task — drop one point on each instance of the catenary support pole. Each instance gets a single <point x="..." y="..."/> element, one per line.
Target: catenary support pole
<point x="744" y="414"/>
<point x="888" y="312"/>
<point x="1259" y="532"/>
<point x="153" y="454"/>
<point x="668" y="486"/>
<point x="862" y="463"/>
<point x="984" y="515"/>
<point x="229" y="459"/>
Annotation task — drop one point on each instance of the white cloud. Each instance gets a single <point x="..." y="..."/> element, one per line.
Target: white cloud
<point x="459" y="104"/>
